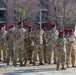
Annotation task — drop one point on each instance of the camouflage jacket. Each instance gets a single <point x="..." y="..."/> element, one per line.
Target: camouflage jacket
<point x="53" y="35"/>
<point x="20" y="36"/>
<point x="3" y="37"/>
<point x="61" y="45"/>
<point x="38" y="37"/>
<point x="10" y="38"/>
<point x="71" y="41"/>
<point x="45" y="39"/>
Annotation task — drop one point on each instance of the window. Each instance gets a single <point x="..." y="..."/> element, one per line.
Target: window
<point x="2" y="4"/>
<point x="1" y="14"/>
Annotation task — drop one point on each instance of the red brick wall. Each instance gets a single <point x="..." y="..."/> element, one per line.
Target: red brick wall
<point x="9" y="12"/>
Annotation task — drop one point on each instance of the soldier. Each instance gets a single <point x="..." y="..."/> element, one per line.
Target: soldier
<point x="9" y="45"/>
<point x="45" y="44"/>
<point x="26" y="27"/>
<point x="53" y="36"/>
<point x="3" y="33"/>
<point x="71" y="45"/>
<point x="28" y="44"/>
<point x="66" y="32"/>
<point x="67" y="48"/>
<point x="38" y="41"/>
<point x="61" y="50"/>
<point x="20" y="43"/>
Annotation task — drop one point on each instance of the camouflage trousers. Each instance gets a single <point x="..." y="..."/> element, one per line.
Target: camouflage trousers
<point x="73" y="57"/>
<point x="29" y="50"/>
<point x="46" y="53"/>
<point x="61" y="58"/>
<point x="20" y="50"/>
<point x="38" y="50"/>
<point x="68" y="57"/>
<point x="52" y="53"/>
<point x="3" y="52"/>
<point x="9" y="55"/>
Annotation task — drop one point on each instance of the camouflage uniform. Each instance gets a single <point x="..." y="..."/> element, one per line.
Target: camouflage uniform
<point x="28" y="46"/>
<point x="10" y="38"/>
<point x="46" y="48"/>
<point x="71" y="48"/>
<point x="67" y="51"/>
<point x="20" y="44"/>
<point x="61" y="52"/>
<point x="3" y="44"/>
<point x="32" y="46"/>
<point x="38" y="40"/>
<point x="53" y="35"/>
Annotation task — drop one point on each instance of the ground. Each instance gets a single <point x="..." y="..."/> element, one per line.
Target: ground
<point x="34" y="70"/>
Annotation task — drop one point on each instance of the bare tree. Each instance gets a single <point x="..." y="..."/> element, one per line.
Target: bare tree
<point x="65" y="10"/>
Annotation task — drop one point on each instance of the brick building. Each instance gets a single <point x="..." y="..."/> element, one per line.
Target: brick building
<point x="6" y="12"/>
<point x="7" y="15"/>
<point x="36" y="8"/>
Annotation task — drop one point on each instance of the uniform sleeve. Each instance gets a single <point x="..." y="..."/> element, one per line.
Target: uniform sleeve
<point x="31" y="35"/>
<point x="57" y="42"/>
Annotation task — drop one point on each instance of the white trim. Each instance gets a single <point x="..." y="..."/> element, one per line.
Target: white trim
<point x="2" y="21"/>
<point x="3" y="9"/>
<point x="5" y="22"/>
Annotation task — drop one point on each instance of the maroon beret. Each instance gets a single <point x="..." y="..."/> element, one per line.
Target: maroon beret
<point x="3" y="25"/>
<point x="45" y="29"/>
<point x="70" y="30"/>
<point x="19" y="23"/>
<point x="61" y="32"/>
<point x="26" y="26"/>
<point x="66" y="30"/>
<point x="53" y="25"/>
<point x="11" y="26"/>
<point x="29" y="27"/>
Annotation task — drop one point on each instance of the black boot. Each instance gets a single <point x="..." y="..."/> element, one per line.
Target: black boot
<point x="34" y="63"/>
<point x="41" y="63"/>
<point x="68" y="66"/>
<point x="63" y="68"/>
<point x="73" y="66"/>
<point x="14" y="63"/>
<point x="21" y="64"/>
<point x="58" y="64"/>
<point x="7" y="61"/>
<point x="25" y="62"/>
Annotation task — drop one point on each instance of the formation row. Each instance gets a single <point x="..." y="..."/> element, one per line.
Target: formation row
<point x="24" y="44"/>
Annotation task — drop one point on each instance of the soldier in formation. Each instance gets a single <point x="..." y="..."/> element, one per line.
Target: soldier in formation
<point x="38" y="42"/>
<point x="3" y="33"/>
<point x="9" y="44"/>
<point x="25" y="44"/>
<point x="61" y="50"/>
<point x="71" y="46"/>
<point x="20" y="43"/>
<point x="45" y="45"/>
<point x="53" y="35"/>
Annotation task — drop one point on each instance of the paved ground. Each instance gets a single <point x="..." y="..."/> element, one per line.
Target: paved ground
<point x="34" y="70"/>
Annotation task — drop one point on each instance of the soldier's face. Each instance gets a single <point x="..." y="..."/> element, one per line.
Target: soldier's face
<point x="28" y="29"/>
<point x="54" y="28"/>
<point x="70" y="33"/>
<point x="12" y="29"/>
<point x="38" y="27"/>
<point x="62" y="35"/>
<point x="3" y="28"/>
<point x="20" y="26"/>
